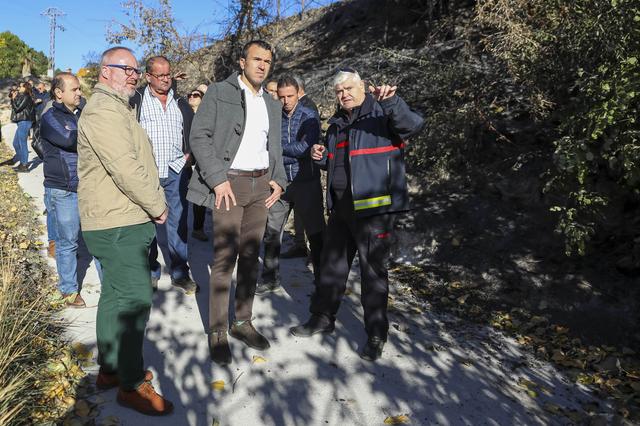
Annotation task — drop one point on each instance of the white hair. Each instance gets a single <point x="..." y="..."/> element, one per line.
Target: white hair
<point x="342" y="76"/>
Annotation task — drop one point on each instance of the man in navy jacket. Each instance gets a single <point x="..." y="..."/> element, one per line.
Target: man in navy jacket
<point x="366" y="188"/>
<point x="300" y="131"/>
<point x="59" y="133"/>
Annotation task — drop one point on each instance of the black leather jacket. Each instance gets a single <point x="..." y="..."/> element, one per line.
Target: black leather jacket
<point x="22" y="108"/>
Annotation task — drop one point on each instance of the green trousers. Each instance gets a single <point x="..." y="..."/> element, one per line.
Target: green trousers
<point x="125" y="299"/>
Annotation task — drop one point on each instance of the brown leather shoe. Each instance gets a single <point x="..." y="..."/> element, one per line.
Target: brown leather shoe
<point x="145" y="400"/>
<point x="71" y="301"/>
<point x="51" y="251"/>
<point x="249" y="335"/>
<point x="106" y="381"/>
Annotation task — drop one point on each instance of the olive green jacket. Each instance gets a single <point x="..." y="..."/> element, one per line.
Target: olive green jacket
<point x="118" y="182"/>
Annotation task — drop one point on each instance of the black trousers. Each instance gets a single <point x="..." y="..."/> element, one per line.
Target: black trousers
<point x="370" y="236"/>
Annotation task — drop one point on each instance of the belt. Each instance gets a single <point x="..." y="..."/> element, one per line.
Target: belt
<point x="247" y="173"/>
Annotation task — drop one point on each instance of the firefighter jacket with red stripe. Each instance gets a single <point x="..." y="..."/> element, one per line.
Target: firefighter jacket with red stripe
<point x="376" y="155"/>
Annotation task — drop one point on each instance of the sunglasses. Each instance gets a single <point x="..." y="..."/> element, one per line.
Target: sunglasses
<point x="194" y="95"/>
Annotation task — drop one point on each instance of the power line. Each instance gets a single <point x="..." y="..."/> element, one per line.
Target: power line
<point x="53" y="13"/>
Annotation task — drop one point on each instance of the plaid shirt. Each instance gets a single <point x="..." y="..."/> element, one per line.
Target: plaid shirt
<point x="164" y="128"/>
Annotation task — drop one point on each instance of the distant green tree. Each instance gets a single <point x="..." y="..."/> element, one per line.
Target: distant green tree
<point x="16" y="57"/>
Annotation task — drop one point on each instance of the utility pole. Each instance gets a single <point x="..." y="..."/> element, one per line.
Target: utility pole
<point x="52" y="13"/>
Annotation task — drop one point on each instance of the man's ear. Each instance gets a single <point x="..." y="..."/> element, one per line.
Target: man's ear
<point x="242" y="63"/>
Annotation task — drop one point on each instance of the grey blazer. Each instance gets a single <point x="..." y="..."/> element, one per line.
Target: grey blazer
<point x="216" y="133"/>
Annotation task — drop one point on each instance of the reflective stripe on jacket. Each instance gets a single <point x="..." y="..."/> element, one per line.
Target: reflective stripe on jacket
<point x="376" y="155"/>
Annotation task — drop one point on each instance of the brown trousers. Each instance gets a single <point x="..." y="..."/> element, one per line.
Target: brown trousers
<point x="237" y="235"/>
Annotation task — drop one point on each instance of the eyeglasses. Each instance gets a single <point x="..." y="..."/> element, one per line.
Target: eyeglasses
<point x="194" y="95"/>
<point x="126" y="68"/>
<point x="160" y="76"/>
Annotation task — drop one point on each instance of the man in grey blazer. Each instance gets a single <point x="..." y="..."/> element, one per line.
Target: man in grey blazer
<point x="235" y="139"/>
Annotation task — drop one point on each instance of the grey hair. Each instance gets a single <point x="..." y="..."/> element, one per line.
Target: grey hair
<point x="106" y="55"/>
<point x="342" y="76"/>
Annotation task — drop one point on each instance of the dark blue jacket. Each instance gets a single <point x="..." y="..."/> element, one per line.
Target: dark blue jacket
<point x="59" y="134"/>
<point x="299" y="133"/>
<point x="376" y="155"/>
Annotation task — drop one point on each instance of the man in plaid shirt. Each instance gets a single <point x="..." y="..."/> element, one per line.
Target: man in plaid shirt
<point x="167" y="121"/>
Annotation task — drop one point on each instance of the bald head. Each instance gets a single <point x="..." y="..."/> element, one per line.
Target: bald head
<point x="119" y="70"/>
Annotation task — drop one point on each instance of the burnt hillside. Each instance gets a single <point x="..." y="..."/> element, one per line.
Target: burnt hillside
<point x="479" y="169"/>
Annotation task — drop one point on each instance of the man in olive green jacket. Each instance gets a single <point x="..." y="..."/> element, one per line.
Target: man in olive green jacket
<point x="119" y="195"/>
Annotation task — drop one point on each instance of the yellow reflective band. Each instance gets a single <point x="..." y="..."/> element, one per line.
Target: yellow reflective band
<point x="370" y="203"/>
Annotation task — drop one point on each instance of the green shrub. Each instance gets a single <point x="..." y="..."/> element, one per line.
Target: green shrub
<point x="579" y="62"/>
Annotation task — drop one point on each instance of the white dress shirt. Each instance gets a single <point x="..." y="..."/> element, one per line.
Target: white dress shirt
<point x="164" y="128"/>
<point x="252" y="153"/>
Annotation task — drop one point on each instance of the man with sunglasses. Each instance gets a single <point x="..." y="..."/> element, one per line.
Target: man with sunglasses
<point x="366" y="187"/>
<point x="167" y="120"/>
<point x="119" y="198"/>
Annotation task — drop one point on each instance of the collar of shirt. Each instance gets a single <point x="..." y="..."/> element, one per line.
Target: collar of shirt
<point x="247" y="89"/>
<point x="170" y="97"/>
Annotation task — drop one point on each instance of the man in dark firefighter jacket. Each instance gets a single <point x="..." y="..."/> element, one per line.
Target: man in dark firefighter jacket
<point x="366" y="187"/>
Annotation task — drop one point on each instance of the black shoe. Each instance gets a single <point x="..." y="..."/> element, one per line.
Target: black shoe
<point x="219" y="350"/>
<point x="295" y="252"/>
<point x="22" y="168"/>
<point x="9" y="162"/>
<point x="186" y="284"/>
<point x="249" y="335"/>
<point x="154" y="283"/>
<point x="373" y="349"/>
<point x="316" y="324"/>
<point x="268" y="287"/>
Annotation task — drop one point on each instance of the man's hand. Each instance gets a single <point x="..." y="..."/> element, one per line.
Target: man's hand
<point x="383" y="92"/>
<point x="162" y="218"/>
<point x="224" y="193"/>
<point x="276" y="192"/>
<point x="317" y="151"/>
<point x="181" y="75"/>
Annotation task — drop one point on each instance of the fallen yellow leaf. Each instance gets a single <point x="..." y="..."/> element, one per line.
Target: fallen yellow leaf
<point x="218" y="385"/>
<point x="396" y="420"/>
<point x="81" y="351"/>
<point x="257" y="359"/>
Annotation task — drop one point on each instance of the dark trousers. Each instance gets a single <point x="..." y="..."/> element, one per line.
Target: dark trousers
<point x="237" y="234"/>
<point x="305" y="198"/>
<point x="125" y="300"/>
<point x="370" y="236"/>
<point x="199" y="214"/>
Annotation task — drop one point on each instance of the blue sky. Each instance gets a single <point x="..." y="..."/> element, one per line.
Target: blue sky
<point x="86" y="22"/>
